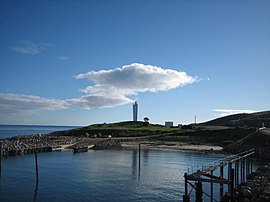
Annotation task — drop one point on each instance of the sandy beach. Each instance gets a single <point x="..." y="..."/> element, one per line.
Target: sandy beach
<point x="171" y="145"/>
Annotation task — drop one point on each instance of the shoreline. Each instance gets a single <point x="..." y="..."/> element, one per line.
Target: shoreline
<point x="172" y="146"/>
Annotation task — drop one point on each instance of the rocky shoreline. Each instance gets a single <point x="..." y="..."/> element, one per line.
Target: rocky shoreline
<point x="255" y="189"/>
<point x="28" y="144"/>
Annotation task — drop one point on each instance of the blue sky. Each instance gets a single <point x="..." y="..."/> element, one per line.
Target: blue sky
<point x="83" y="62"/>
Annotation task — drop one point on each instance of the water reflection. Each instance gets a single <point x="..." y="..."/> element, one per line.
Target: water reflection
<point x="36" y="192"/>
<point x="134" y="161"/>
<point x="145" y="155"/>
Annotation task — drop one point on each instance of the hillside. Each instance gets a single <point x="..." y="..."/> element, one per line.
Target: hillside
<point x="233" y="139"/>
<point x="120" y="129"/>
<point x="242" y="120"/>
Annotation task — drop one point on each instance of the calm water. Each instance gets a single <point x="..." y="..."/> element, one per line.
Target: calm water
<point x="106" y="175"/>
<point x="14" y="130"/>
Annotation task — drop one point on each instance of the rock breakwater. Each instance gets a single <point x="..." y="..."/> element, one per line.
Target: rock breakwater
<point x="257" y="187"/>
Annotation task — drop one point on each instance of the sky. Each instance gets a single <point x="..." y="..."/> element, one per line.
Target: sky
<point x="79" y="62"/>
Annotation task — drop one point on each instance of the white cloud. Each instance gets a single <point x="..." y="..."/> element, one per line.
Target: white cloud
<point x="19" y="103"/>
<point x="112" y="87"/>
<point x="227" y="112"/>
<point x="63" y="57"/>
<point x="93" y="101"/>
<point x="28" y="47"/>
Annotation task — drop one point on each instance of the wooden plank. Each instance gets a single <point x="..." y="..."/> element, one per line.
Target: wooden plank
<point x="221" y="181"/>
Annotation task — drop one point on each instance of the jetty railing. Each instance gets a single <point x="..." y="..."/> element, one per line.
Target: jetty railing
<point x="238" y="166"/>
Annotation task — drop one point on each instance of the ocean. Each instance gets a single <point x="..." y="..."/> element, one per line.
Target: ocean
<point x="100" y="176"/>
<point x="14" y="130"/>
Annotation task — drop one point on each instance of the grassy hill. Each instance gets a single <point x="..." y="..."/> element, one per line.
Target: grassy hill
<point x="242" y="120"/>
<point x="212" y="132"/>
<point x="121" y="129"/>
<point x="218" y="137"/>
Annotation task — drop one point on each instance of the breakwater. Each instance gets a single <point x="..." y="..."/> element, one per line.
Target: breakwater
<point x="257" y="187"/>
<point x="27" y="144"/>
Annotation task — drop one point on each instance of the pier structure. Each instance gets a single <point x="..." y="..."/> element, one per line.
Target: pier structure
<point x="231" y="171"/>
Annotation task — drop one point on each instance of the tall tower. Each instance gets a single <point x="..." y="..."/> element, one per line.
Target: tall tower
<point x="135" y="111"/>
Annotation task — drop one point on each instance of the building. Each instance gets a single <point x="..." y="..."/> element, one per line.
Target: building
<point x="135" y="111"/>
<point x="169" y="123"/>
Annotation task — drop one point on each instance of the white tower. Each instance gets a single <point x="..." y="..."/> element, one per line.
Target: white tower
<point x="135" y="111"/>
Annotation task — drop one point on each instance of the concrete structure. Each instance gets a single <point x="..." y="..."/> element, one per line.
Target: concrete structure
<point x="169" y="123"/>
<point x="135" y="111"/>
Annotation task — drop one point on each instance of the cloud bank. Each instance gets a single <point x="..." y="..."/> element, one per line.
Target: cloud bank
<point x="19" y="103"/>
<point x="113" y="87"/>
<point x="227" y="112"/>
<point x="29" y="47"/>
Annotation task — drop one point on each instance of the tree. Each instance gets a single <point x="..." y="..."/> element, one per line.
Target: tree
<point x="146" y="119"/>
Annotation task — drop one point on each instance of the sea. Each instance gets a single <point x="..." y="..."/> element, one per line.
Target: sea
<point x="101" y="176"/>
<point x="14" y="130"/>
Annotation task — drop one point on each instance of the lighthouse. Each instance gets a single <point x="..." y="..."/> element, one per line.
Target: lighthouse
<point x="135" y="111"/>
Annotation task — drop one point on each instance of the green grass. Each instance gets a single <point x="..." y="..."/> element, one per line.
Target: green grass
<point x="132" y="129"/>
<point x="219" y="137"/>
<point x="121" y="129"/>
<point x="130" y="125"/>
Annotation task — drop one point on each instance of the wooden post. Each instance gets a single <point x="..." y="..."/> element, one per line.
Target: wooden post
<point x="244" y="169"/>
<point x="186" y="197"/>
<point x="241" y="170"/>
<point x="251" y="164"/>
<point x="247" y="167"/>
<point x="229" y="175"/>
<point x="139" y="156"/>
<point x="221" y="176"/>
<point x="232" y="181"/>
<point x="36" y="160"/>
<point x="199" y="192"/>
<point x="235" y="183"/>
<point x="237" y="172"/>
<point x="211" y="188"/>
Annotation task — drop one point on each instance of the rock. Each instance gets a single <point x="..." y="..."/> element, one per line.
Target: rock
<point x="246" y="192"/>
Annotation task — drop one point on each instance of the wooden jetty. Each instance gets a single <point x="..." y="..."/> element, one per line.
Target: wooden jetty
<point x="238" y="167"/>
<point x="80" y="149"/>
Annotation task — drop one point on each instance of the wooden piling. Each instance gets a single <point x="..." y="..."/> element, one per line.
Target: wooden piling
<point x="229" y="176"/>
<point x="186" y="197"/>
<point x="221" y="190"/>
<point x="139" y="156"/>
<point x="247" y="166"/>
<point x="238" y="167"/>
<point x="232" y="181"/>
<point x="241" y="170"/>
<point x="211" y="187"/>
<point x="244" y="169"/>
<point x="36" y="160"/>
<point x="199" y="192"/>
<point x="237" y="172"/>
<point x="251" y="164"/>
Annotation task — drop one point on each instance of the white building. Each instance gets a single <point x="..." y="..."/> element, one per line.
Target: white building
<point x="135" y="111"/>
<point x="169" y="123"/>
